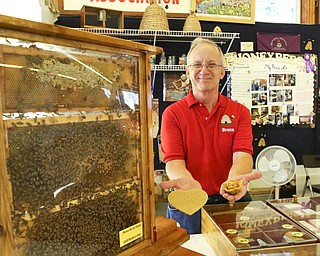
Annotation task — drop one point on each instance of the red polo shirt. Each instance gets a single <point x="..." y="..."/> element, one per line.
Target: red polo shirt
<point x="206" y="141"/>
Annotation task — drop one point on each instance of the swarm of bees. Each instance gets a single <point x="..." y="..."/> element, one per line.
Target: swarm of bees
<point x="91" y="156"/>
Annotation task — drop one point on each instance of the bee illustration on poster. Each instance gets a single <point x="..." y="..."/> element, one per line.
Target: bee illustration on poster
<point x="240" y="11"/>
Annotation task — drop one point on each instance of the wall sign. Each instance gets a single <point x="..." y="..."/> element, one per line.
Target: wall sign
<point x="171" y="6"/>
<point x="278" y="88"/>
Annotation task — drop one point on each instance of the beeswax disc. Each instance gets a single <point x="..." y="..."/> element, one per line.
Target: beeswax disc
<point x="297" y="234"/>
<point x="287" y="226"/>
<point x="241" y="242"/>
<point x="232" y="231"/>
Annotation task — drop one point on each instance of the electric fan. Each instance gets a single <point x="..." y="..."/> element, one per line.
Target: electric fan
<point x="278" y="166"/>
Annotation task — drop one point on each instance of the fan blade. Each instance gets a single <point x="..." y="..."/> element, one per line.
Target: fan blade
<point x="263" y="164"/>
<point x="280" y="176"/>
<point x="281" y="156"/>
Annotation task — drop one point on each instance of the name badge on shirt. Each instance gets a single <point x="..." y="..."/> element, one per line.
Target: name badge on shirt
<point x="226" y="123"/>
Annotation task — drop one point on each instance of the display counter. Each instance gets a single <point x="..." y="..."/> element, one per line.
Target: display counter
<point x="252" y="227"/>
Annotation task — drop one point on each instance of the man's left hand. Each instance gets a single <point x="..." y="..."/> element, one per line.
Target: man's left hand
<point x="245" y="178"/>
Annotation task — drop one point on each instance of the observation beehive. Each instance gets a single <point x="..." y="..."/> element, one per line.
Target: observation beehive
<point x="76" y="148"/>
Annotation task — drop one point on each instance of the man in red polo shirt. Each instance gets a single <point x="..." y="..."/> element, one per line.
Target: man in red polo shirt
<point x="206" y="138"/>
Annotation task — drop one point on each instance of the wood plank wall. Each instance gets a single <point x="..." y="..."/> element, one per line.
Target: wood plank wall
<point x="308" y="11"/>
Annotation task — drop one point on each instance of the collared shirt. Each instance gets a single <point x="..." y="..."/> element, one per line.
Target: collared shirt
<point x="206" y="141"/>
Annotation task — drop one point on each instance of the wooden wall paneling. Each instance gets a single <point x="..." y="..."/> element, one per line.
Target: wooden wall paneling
<point x="308" y="9"/>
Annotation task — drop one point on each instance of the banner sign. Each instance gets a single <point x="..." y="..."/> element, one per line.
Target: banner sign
<point x="170" y="6"/>
<point x="278" y="42"/>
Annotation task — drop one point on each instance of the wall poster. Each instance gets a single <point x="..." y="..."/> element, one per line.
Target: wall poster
<point x="278" y="88"/>
<point x="240" y="11"/>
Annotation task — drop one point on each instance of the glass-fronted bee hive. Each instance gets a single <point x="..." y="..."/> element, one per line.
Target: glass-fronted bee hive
<point x="76" y="153"/>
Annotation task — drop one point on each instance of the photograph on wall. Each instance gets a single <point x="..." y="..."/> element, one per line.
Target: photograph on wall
<point x="175" y="86"/>
<point x="280" y="87"/>
<point x="240" y="11"/>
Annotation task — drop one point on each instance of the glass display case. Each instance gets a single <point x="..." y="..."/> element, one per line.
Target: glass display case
<point x="303" y="210"/>
<point x="250" y="227"/>
<point x="76" y="147"/>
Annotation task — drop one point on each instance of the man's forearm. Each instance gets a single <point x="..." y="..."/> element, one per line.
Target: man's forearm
<point x="242" y="164"/>
<point x="177" y="169"/>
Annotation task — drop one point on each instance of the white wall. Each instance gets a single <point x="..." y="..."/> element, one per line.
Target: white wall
<point x="35" y="10"/>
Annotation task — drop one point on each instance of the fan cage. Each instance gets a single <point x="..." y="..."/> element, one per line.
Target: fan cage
<point x="288" y="166"/>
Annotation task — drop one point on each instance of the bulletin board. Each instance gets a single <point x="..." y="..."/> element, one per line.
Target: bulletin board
<point x="279" y="89"/>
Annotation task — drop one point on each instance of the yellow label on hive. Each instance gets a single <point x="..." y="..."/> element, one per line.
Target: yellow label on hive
<point x="130" y="234"/>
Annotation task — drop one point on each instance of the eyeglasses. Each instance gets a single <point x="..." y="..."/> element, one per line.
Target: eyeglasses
<point x="210" y="66"/>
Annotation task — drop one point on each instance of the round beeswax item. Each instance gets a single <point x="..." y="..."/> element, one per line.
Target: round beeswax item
<point x="241" y="242"/>
<point x="244" y="218"/>
<point x="295" y="235"/>
<point x="232" y="186"/>
<point x="232" y="231"/>
<point x="287" y="226"/>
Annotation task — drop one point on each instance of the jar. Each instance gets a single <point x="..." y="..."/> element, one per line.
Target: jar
<point x="163" y="60"/>
<point x="184" y="56"/>
<point x="173" y="60"/>
<point x="181" y="61"/>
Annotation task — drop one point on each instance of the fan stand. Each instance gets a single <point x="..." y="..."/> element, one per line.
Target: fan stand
<point x="307" y="184"/>
<point x="276" y="192"/>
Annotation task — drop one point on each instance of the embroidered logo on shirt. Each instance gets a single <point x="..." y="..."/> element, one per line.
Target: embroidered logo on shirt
<point x="225" y="120"/>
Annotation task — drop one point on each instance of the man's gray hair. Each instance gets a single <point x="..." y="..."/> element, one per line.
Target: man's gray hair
<point x="200" y="40"/>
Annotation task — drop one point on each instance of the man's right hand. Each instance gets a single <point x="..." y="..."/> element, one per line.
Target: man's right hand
<point x="181" y="183"/>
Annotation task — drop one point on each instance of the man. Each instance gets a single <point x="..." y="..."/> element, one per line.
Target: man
<point x="206" y="138"/>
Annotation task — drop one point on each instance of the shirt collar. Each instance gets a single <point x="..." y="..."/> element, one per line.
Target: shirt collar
<point x="222" y="100"/>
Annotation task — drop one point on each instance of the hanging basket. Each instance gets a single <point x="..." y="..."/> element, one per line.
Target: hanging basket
<point x="192" y="23"/>
<point x="154" y="18"/>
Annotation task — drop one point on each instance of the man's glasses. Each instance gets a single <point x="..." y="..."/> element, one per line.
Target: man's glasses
<point x="210" y="66"/>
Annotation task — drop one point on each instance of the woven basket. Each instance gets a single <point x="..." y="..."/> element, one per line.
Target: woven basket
<point x="154" y="18"/>
<point x="192" y="23"/>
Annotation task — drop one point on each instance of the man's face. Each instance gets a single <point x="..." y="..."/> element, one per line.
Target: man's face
<point x="206" y="69"/>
